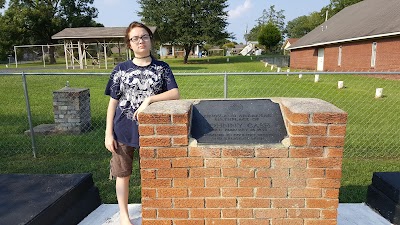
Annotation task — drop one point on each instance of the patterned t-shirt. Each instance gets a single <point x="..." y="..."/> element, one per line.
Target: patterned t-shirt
<point x="131" y="84"/>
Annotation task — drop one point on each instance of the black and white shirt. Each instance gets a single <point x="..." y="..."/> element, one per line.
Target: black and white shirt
<point x="131" y="84"/>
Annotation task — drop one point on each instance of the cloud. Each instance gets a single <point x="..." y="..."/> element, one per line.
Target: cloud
<point x="240" y="10"/>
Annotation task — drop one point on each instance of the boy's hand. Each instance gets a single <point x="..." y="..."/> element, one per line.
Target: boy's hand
<point x="145" y="103"/>
<point x="110" y="143"/>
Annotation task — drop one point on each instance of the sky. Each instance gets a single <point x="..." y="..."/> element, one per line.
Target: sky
<point x="241" y="13"/>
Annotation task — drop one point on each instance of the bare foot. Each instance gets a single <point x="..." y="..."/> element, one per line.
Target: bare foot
<point x="125" y="221"/>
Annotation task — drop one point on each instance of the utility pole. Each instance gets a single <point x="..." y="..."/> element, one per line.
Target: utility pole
<point x="326" y="15"/>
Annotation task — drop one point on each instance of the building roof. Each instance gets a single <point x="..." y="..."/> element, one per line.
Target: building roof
<point x="292" y="40"/>
<point x="289" y="42"/>
<point x="93" y="33"/>
<point x="239" y="46"/>
<point x="364" y="20"/>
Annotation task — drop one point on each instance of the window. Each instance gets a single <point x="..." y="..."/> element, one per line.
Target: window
<point x="339" y="61"/>
<point x="373" y="55"/>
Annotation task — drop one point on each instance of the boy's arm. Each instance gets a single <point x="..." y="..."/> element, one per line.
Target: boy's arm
<point x="109" y="141"/>
<point x="172" y="94"/>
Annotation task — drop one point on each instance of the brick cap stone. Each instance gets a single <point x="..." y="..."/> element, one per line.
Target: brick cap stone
<point x="69" y="89"/>
<point x="286" y="142"/>
<point x="310" y="105"/>
<point x="197" y="101"/>
<point x="168" y="107"/>
<point x="192" y="142"/>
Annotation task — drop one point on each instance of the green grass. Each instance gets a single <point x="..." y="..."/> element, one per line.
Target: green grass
<point x="372" y="142"/>
<point x="357" y="175"/>
<point x="79" y="161"/>
<point x="214" y="64"/>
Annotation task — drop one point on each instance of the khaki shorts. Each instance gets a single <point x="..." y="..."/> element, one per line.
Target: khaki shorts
<point x="121" y="161"/>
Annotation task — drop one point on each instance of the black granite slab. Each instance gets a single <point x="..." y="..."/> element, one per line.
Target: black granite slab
<point x="55" y="199"/>
<point x="255" y="121"/>
<point x="388" y="183"/>
<point x="378" y="201"/>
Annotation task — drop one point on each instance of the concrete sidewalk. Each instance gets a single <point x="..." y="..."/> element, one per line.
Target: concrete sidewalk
<point x="349" y="214"/>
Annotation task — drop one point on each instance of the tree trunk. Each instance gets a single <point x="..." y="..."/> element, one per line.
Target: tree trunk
<point x="52" y="57"/>
<point x="187" y="52"/>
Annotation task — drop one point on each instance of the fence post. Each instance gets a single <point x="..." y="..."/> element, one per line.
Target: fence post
<point x="225" y="85"/>
<point x="28" y="109"/>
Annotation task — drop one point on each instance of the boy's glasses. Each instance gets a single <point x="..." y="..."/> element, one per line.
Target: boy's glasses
<point x="135" y="39"/>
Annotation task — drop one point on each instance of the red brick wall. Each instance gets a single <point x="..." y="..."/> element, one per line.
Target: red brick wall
<point x="391" y="57"/>
<point x="356" y="56"/>
<point x="304" y="59"/>
<point x="253" y="185"/>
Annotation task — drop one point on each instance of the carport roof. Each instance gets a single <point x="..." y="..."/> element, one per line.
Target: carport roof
<point x="93" y="33"/>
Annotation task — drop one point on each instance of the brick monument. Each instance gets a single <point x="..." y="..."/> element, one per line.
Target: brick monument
<point x="293" y="182"/>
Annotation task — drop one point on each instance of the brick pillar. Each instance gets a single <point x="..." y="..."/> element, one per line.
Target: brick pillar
<point x="164" y="161"/>
<point x="72" y="110"/>
<point x="292" y="183"/>
<point x="317" y="134"/>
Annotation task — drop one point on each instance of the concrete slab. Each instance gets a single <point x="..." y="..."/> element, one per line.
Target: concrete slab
<point x="359" y="214"/>
<point x="107" y="214"/>
<point x="349" y="214"/>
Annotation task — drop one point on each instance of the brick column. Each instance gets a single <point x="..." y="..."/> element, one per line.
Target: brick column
<point x="317" y="133"/>
<point x="164" y="161"/>
<point x="292" y="183"/>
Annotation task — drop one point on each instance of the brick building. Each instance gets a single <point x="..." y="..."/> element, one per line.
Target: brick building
<point x="361" y="37"/>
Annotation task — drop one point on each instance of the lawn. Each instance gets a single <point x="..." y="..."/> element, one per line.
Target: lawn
<point x="372" y="140"/>
<point x="210" y="64"/>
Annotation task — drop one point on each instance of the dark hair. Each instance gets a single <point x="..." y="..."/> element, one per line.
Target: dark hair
<point x="134" y="25"/>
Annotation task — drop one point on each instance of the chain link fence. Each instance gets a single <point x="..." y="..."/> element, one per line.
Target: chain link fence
<point x="60" y="56"/>
<point x="372" y="130"/>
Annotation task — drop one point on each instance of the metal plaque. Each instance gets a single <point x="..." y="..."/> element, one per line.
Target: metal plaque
<point x="257" y="121"/>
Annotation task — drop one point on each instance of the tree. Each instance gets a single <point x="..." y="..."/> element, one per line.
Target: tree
<point x="268" y="16"/>
<point x="228" y="45"/>
<point x="269" y="36"/>
<point x="34" y="22"/>
<point x="302" y="25"/>
<point x="10" y="35"/>
<point x="336" y="5"/>
<point x="2" y="3"/>
<point x="253" y="34"/>
<point x="186" y="22"/>
<point x="272" y="16"/>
